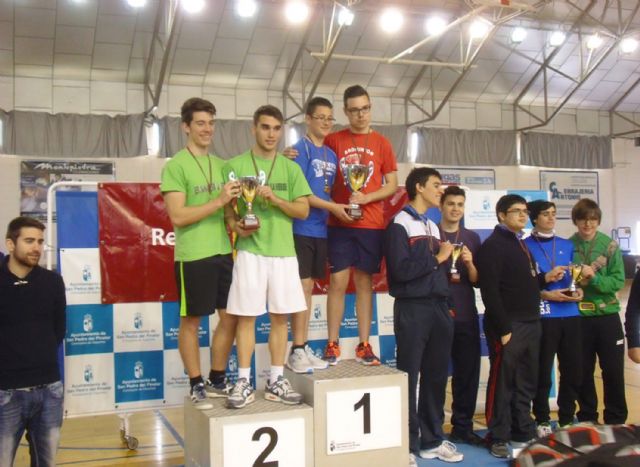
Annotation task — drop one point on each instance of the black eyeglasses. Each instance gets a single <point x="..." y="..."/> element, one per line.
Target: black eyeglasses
<point x="353" y="111"/>
<point x="520" y="212"/>
<point x="323" y="119"/>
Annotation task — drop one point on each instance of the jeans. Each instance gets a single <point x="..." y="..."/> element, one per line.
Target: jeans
<point x="39" y="412"/>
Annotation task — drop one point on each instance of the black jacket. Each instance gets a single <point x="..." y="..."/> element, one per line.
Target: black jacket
<point x="632" y="317"/>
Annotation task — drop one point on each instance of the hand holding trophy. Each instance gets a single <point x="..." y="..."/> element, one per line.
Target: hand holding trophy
<point x="575" y="271"/>
<point x="457" y="251"/>
<point x="356" y="177"/>
<point x="248" y="187"/>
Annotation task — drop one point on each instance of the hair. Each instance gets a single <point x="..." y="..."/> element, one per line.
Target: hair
<point x="17" y="224"/>
<point x="195" y="104"/>
<point x="268" y="110"/>
<point x="316" y="102"/>
<point x="452" y="190"/>
<point x="419" y="176"/>
<point x="586" y="209"/>
<point x="354" y="91"/>
<point x="506" y="201"/>
<point x="537" y="206"/>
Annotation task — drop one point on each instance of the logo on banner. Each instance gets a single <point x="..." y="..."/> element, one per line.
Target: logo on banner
<point x="138" y="370"/>
<point x="233" y="364"/>
<point x="317" y="311"/>
<point x="89" y="329"/>
<point x="137" y="320"/>
<point x="86" y="273"/>
<point x="388" y="350"/>
<point x="139" y="376"/>
<point x="87" y="323"/>
<point x="486" y="204"/>
<point x="88" y="373"/>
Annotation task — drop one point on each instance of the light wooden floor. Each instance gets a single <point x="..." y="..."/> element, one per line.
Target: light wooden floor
<point x="95" y="441"/>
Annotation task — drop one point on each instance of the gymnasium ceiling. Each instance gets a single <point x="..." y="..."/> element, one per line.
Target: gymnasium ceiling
<point x="108" y="40"/>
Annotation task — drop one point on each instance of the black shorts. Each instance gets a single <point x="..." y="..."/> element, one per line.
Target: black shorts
<point x="360" y="248"/>
<point x="312" y="256"/>
<point x="203" y="285"/>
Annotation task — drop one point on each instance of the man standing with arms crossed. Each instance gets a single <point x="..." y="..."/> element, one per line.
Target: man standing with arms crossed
<point x="357" y="244"/>
<point x="32" y="326"/>
<point x="195" y="195"/>
<point x="266" y="269"/>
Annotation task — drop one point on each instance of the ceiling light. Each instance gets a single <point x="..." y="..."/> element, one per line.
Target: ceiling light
<point x="296" y="11"/>
<point x="594" y="41"/>
<point x="628" y="45"/>
<point x="478" y="29"/>
<point x="246" y="8"/>
<point x="391" y="20"/>
<point x="435" y="25"/>
<point x="557" y="38"/>
<point x="345" y="17"/>
<point x="193" y="6"/>
<point x="518" y="35"/>
<point x="135" y="3"/>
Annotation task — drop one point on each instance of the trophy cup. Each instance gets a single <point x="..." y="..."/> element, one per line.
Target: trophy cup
<point x="356" y="178"/>
<point x="457" y="251"/>
<point x="575" y="271"/>
<point x="248" y="186"/>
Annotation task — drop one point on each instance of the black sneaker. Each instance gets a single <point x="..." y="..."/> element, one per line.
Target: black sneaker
<point x="469" y="437"/>
<point x="499" y="449"/>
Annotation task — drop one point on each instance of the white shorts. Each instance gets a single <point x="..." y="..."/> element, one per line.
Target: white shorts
<point x="258" y="280"/>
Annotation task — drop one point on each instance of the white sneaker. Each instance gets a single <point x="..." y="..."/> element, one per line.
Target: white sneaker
<point x="412" y="460"/>
<point x="298" y="362"/>
<point x="543" y="430"/>
<point x="316" y="362"/>
<point x="241" y="394"/>
<point x="447" y="452"/>
<point x="282" y="391"/>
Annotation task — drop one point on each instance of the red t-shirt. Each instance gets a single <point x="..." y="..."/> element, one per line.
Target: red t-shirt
<point x="373" y="150"/>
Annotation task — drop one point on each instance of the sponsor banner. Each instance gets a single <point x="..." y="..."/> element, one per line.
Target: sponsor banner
<point x="349" y="325"/>
<point x="139" y="376"/>
<point x="37" y="176"/>
<point x="80" y="268"/>
<point x="480" y="209"/>
<point x="137" y="326"/>
<point x="318" y="347"/>
<point x="475" y="179"/>
<point x="89" y="329"/>
<point x="318" y="317"/>
<point x="261" y="366"/>
<point x="171" y="326"/>
<point x="568" y="187"/>
<point x="388" y="350"/>
<point x="88" y="384"/>
<point x="176" y="380"/>
<point x="385" y="313"/>
<point x="263" y="328"/>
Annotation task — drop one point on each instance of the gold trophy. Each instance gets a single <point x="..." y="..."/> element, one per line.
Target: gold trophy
<point x="575" y="271"/>
<point x="356" y="178"/>
<point x="248" y="186"/>
<point x="457" y="251"/>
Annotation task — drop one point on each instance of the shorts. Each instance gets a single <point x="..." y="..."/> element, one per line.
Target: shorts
<point x="259" y="281"/>
<point x="312" y="256"/>
<point x="203" y="285"/>
<point x="360" y="248"/>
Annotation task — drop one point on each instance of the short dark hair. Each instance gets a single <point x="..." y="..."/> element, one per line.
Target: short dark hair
<point x="195" y="104"/>
<point x="17" y="224"/>
<point x="586" y="209"/>
<point x="537" y="206"/>
<point x="268" y="110"/>
<point x="506" y="201"/>
<point x="419" y="176"/>
<point x="452" y="190"/>
<point x="315" y="103"/>
<point x="354" y="91"/>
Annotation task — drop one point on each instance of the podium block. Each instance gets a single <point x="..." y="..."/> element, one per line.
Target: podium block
<point x="263" y="433"/>
<point x="360" y="414"/>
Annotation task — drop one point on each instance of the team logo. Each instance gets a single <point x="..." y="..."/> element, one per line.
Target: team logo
<point x="317" y="311"/>
<point x="137" y="321"/>
<point x="233" y="363"/>
<point x="87" y="323"/>
<point x="88" y="373"/>
<point x="138" y="370"/>
<point x="486" y="204"/>
<point x="86" y="273"/>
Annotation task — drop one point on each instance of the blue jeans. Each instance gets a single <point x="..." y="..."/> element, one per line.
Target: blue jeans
<point x="39" y="412"/>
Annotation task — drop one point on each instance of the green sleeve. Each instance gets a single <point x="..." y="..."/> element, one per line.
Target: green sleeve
<point x="173" y="178"/>
<point x="297" y="182"/>
<point x="611" y="278"/>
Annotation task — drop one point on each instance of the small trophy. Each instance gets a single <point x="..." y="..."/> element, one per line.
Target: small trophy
<point x="248" y="185"/>
<point x="356" y="178"/>
<point x="575" y="271"/>
<point x="457" y="251"/>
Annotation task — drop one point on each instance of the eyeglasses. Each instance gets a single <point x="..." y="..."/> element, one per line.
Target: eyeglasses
<point x="520" y="212"/>
<point x="323" y="119"/>
<point x="593" y="220"/>
<point x="353" y="111"/>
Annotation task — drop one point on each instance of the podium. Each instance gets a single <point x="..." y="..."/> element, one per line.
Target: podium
<point x="360" y="414"/>
<point x="263" y="433"/>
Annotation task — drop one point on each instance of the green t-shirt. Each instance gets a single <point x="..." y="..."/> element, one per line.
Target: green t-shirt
<point x="275" y="235"/>
<point x="207" y="237"/>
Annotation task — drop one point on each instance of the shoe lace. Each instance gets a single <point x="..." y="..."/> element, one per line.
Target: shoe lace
<point x="284" y="385"/>
<point x="449" y="447"/>
<point x="367" y="351"/>
<point x="332" y="348"/>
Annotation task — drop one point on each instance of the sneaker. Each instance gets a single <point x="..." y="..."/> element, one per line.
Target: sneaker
<point x="365" y="355"/>
<point x="412" y="460"/>
<point x="447" y="452"/>
<point x="222" y="389"/>
<point x="544" y="429"/>
<point x="316" y="363"/>
<point x="332" y="353"/>
<point x="298" y="362"/>
<point x="281" y="391"/>
<point x="499" y="449"/>
<point x="241" y="394"/>
<point x="198" y="396"/>
<point x="469" y="437"/>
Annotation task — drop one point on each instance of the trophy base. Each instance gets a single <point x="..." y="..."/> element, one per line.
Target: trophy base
<point x="251" y="222"/>
<point x="355" y="211"/>
<point x="454" y="277"/>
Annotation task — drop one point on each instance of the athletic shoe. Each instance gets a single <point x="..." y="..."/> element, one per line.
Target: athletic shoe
<point x="332" y="353"/>
<point x="544" y="429"/>
<point x="281" y="391"/>
<point x="241" y="394"/>
<point x="198" y="396"/>
<point x="299" y="362"/>
<point x="447" y="452"/>
<point x="499" y="449"/>
<point x="316" y="363"/>
<point x="222" y="389"/>
<point x="467" y="438"/>
<point x="365" y="355"/>
<point x="412" y="460"/>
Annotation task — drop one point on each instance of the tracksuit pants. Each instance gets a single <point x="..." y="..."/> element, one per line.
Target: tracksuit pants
<point x="465" y="357"/>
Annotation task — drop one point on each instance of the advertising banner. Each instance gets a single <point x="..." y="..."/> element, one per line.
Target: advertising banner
<point x="567" y="187"/>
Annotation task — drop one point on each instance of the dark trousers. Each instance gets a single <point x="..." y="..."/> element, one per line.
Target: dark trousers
<point x="602" y="336"/>
<point x="424" y="333"/>
<point x="465" y="356"/>
<point x="561" y="337"/>
<point x="513" y="380"/>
